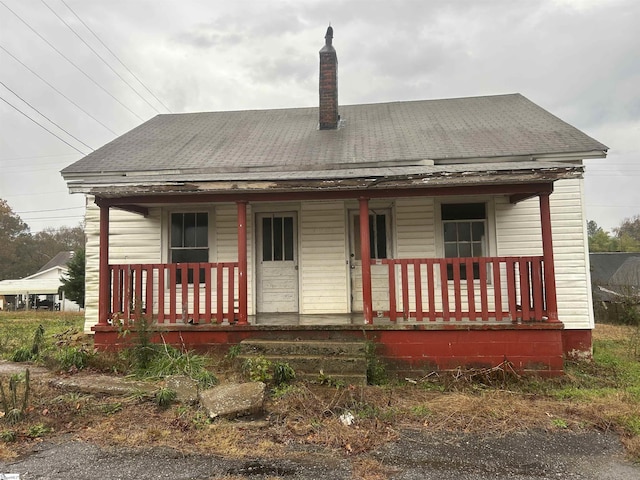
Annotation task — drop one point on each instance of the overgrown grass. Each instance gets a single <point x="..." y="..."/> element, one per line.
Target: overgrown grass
<point x="17" y="329"/>
<point x="603" y="394"/>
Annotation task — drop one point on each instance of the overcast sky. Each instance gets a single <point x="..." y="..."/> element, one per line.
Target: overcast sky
<point x="579" y="59"/>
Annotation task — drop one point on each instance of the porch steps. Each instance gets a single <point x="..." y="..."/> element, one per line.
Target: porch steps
<point x="337" y="361"/>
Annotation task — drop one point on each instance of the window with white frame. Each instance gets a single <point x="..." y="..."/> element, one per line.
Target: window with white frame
<point x="464" y="229"/>
<point x="189" y="240"/>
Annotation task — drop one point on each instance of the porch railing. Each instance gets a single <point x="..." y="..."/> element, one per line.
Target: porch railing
<point x="175" y="292"/>
<point x="496" y="288"/>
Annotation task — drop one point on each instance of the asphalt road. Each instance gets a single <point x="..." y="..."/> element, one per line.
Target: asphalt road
<point x="415" y="456"/>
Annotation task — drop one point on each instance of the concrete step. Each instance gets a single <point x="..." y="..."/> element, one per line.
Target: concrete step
<point x="342" y="362"/>
<point x="314" y="364"/>
<point x="303" y="347"/>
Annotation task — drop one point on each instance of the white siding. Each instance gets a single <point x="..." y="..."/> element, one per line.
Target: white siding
<point x="323" y="258"/>
<point x="519" y="233"/>
<point x="568" y="223"/>
<point x="132" y="239"/>
<point x="415" y="235"/>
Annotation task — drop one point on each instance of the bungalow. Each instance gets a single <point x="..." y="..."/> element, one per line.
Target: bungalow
<point x="451" y="232"/>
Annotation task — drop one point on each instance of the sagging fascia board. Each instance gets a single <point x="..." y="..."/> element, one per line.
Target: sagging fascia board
<point x="149" y="198"/>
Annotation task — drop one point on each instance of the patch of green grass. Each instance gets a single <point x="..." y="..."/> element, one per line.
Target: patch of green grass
<point x="168" y="361"/>
<point x="38" y="430"/>
<point x="165" y="397"/>
<point x="18" y="330"/>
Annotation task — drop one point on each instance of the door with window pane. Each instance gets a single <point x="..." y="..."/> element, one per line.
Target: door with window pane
<point x="380" y="248"/>
<point x="277" y="272"/>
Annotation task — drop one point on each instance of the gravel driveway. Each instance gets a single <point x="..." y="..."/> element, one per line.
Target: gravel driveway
<point x="415" y="456"/>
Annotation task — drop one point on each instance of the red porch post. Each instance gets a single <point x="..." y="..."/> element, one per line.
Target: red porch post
<point x="365" y="256"/>
<point x="547" y="253"/>
<point x="242" y="263"/>
<point x="104" y="280"/>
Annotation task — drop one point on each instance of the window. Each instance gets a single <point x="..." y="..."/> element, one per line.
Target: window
<point x="189" y="240"/>
<point x="378" y="235"/>
<point x="277" y="238"/>
<point x="464" y="228"/>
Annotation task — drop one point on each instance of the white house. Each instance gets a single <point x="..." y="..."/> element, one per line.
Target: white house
<point x="449" y="231"/>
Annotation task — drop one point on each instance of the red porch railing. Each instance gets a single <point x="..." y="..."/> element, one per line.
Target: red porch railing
<point x="168" y="293"/>
<point x="496" y="288"/>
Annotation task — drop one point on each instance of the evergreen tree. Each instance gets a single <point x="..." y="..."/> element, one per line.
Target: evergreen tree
<point x="73" y="282"/>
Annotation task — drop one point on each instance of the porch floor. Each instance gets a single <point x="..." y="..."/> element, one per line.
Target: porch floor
<point x="350" y="320"/>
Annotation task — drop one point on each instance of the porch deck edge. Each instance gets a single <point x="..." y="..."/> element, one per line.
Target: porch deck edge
<point x="225" y="327"/>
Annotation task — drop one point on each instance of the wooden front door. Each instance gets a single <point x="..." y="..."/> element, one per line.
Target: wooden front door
<point x="277" y="255"/>
<point x="380" y="247"/>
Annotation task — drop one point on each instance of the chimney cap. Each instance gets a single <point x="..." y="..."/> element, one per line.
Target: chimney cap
<point x="328" y="41"/>
<point x="329" y="35"/>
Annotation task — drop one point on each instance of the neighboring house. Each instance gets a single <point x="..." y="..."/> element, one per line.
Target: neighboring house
<point x="451" y="232"/>
<point x="40" y="290"/>
<point x="615" y="278"/>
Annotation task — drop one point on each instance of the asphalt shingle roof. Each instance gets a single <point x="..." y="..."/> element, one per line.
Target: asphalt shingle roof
<point x="289" y="140"/>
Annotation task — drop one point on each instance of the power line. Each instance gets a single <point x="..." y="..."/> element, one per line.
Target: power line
<point x="38" y="156"/>
<point x="42" y="114"/>
<point x="99" y="56"/>
<point x="68" y="60"/>
<point x="50" y="210"/>
<point x="41" y="126"/>
<point x="56" y="90"/>
<point x="115" y="56"/>
<point x="27" y="219"/>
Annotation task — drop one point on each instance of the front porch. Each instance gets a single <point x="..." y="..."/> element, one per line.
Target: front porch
<point x="423" y="313"/>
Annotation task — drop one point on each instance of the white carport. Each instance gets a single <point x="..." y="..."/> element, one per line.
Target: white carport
<point x="37" y="284"/>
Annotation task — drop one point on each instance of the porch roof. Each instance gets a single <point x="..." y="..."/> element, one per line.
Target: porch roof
<point x="399" y="138"/>
<point x="369" y="178"/>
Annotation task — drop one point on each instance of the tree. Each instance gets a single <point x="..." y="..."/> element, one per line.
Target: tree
<point x="599" y="240"/>
<point x="626" y="237"/>
<point x="14" y="239"/>
<point x="73" y="282"/>
<point x="628" y="234"/>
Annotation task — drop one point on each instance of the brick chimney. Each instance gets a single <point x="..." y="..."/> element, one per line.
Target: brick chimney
<point x="328" y="84"/>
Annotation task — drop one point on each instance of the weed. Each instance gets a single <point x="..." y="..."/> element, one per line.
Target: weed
<point x="281" y="391"/>
<point x="171" y="361"/>
<point x="22" y="354"/>
<point x="329" y="381"/>
<point x="14" y="406"/>
<point x="258" y="369"/>
<point x="8" y="436"/>
<point x="559" y="423"/>
<point x="233" y="352"/>
<point x="111" y="408"/>
<point x="73" y="357"/>
<point x="165" y="397"/>
<point x="200" y="420"/>
<point x="38" y="430"/>
<point x="421" y="411"/>
<point x="26" y="354"/>
<point x="140" y="330"/>
<point x="283" y="373"/>
<point x="376" y="370"/>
